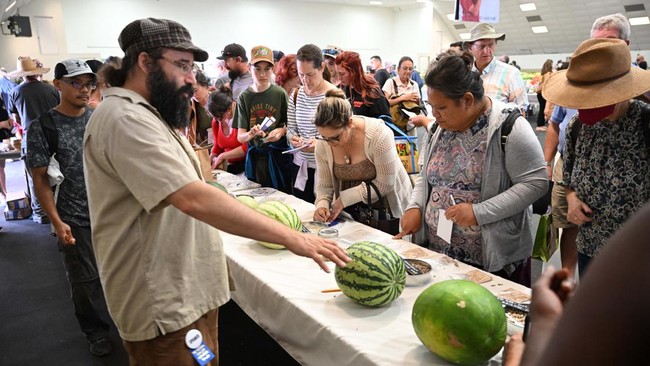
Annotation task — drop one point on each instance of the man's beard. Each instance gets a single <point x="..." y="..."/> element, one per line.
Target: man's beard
<point x="233" y="74"/>
<point x="171" y="102"/>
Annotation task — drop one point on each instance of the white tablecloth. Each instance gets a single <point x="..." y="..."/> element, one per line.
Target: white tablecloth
<point x="282" y="293"/>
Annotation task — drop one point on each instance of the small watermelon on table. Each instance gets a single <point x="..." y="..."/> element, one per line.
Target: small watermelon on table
<point x="282" y="213"/>
<point x="375" y="276"/>
<point x="248" y="200"/>
<point x="460" y="321"/>
<point x="220" y="186"/>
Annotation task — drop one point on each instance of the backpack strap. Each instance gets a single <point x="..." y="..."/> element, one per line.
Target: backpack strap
<point x="574" y="130"/>
<point x="506" y="127"/>
<point x="49" y="130"/>
<point x="645" y="125"/>
<point x="394" y="86"/>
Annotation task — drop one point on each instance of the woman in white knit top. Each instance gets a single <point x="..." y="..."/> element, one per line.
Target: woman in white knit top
<point x="351" y="151"/>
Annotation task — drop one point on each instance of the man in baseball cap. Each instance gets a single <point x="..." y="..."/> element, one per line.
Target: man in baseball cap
<point x="60" y="131"/>
<point x="161" y="259"/>
<point x="237" y="64"/>
<point x="501" y="81"/>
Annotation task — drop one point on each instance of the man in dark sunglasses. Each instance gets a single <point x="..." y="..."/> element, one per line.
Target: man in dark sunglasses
<point x="59" y="133"/>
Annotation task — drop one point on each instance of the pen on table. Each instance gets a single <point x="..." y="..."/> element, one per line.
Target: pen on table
<point x="453" y="201"/>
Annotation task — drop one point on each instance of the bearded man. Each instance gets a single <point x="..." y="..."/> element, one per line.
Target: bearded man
<point x="160" y="258"/>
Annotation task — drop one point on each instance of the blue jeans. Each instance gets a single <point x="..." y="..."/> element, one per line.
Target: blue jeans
<point x="583" y="263"/>
<point x="85" y="288"/>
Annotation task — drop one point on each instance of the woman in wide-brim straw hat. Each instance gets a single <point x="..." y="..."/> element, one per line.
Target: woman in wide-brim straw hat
<point x="26" y="66"/>
<point x="606" y="154"/>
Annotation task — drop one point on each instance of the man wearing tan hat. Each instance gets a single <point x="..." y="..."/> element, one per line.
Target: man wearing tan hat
<point x="27" y="101"/>
<point x="605" y="179"/>
<point x="500" y="81"/>
<point x="160" y="258"/>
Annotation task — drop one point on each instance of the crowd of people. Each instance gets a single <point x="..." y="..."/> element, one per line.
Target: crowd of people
<point x="313" y="124"/>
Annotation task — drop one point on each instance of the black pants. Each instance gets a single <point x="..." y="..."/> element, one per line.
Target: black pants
<point x="541" y="121"/>
<point x="308" y="194"/>
<point x="85" y="288"/>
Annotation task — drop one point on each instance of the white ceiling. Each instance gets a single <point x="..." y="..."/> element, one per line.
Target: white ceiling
<point x="568" y="21"/>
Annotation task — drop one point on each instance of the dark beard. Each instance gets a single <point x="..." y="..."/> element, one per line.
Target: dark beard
<point x="233" y="74"/>
<point x="171" y="102"/>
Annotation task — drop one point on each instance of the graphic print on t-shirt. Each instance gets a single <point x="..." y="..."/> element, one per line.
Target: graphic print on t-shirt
<point x="259" y="111"/>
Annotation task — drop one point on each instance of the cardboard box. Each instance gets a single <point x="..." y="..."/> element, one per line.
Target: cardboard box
<point x="19" y="214"/>
<point x="17" y="200"/>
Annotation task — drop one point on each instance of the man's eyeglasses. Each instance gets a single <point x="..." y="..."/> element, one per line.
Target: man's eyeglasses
<point x="184" y="67"/>
<point x="80" y="85"/>
<point x="336" y="138"/>
<point x="480" y="47"/>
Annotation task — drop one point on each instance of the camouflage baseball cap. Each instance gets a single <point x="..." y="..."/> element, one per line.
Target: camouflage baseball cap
<point x="145" y="34"/>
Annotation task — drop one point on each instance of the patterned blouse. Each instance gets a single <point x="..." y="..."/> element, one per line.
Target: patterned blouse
<point x="608" y="168"/>
<point x="456" y="169"/>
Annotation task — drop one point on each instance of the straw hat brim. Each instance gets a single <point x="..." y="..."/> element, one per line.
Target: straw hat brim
<point x="23" y="73"/>
<point x="559" y="90"/>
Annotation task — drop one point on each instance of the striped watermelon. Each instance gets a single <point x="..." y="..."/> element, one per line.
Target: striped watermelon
<point x="283" y="213"/>
<point x="375" y="277"/>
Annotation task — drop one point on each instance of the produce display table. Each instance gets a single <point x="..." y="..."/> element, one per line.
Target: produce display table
<point x="283" y="294"/>
<point x="233" y="183"/>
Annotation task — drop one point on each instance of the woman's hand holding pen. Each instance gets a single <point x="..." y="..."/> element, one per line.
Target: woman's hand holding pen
<point x="461" y="214"/>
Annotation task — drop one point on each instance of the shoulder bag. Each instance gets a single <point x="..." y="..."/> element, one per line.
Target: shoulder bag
<point x="378" y="218"/>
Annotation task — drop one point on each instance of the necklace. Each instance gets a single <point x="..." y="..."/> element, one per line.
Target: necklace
<point x="347" y="158"/>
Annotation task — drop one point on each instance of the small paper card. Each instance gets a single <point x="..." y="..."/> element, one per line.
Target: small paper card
<point x="408" y="113"/>
<point x="266" y="123"/>
<point x="444" y="227"/>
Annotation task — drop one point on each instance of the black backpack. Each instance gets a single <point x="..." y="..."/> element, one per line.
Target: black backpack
<point x="49" y="131"/>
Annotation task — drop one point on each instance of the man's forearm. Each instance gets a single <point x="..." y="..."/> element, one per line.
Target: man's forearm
<point x="45" y="195"/>
<point x="226" y="213"/>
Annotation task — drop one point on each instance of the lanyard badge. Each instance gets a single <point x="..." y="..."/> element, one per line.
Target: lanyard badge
<point x="201" y="353"/>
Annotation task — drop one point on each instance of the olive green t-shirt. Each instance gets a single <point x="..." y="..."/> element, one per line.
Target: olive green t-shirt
<point x="253" y="107"/>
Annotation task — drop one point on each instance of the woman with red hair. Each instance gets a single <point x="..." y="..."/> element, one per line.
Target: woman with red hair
<point x="362" y="90"/>
<point x="286" y="73"/>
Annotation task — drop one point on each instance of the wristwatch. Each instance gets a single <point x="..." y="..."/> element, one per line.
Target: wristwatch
<point x="548" y="163"/>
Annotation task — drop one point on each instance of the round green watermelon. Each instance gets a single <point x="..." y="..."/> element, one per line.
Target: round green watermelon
<point x="460" y="321"/>
<point x="375" y="276"/>
<point x="248" y="200"/>
<point x="220" y="186"/>
<point x="281" y="212"/>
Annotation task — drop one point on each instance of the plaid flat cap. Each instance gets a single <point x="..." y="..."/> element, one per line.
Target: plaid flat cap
<point x="145" y="34"/>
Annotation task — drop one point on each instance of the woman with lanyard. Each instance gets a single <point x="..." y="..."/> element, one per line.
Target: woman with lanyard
<point x="301" y="131"/>
<point x="362" y="90"/>
<point x="470" y="180"/>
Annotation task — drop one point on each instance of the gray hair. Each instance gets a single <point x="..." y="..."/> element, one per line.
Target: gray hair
<point x="616" y="21"/>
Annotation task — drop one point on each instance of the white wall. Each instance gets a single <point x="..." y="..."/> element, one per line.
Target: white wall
<point x="90" y="28"/>
<point x="11" y="47"/>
